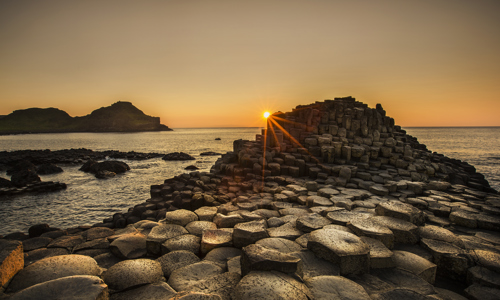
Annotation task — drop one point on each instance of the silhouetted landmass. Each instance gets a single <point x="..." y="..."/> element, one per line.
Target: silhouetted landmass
<point x="119" y="117"/>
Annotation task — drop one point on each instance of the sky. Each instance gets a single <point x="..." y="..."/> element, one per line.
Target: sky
<point x="218" y="63"/>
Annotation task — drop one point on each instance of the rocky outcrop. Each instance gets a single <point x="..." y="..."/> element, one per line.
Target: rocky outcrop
<point x="119" y="117"/>
<point x="290" y="221"/>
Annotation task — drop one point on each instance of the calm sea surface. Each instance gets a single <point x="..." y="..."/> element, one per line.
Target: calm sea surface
<point x="88" y="200"/>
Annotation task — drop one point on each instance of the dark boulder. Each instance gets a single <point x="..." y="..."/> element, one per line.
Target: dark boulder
<point x="38" y="230"/>
<point x="22" y="178"/>
<point x="105" y="168"/>
<point x="178" y="156"/>
<point x="210" y="153"/>
<point x="114" y="166"/>
<point x="46" y="169"/>
<point x="87" y="165"/>
<point x="191" y="167"/>
<point x="103" y="174"/>
<point x="5" y="182"/>
<point x="21" y="166"/>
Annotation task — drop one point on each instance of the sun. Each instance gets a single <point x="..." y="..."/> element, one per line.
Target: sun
<point x="267" y="114"/>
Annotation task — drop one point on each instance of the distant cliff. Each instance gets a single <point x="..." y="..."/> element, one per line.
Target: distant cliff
<point x="119" y="117"/>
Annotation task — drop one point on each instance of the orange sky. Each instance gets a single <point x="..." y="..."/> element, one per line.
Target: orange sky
<point x="222" y="63"/>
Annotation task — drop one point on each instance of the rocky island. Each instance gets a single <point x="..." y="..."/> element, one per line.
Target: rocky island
<point x="331" y="201"/>
<point x="120" y="117"/>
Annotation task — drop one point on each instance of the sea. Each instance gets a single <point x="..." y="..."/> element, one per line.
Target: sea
<point x="88" y="200"/>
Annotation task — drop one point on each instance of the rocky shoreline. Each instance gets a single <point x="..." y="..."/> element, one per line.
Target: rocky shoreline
<point x="333" y="200"/>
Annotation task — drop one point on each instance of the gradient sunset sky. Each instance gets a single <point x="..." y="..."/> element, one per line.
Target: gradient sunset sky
<point x="222" y="63"/>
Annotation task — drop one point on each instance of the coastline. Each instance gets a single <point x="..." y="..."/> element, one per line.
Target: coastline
<point x="282" y="199"/>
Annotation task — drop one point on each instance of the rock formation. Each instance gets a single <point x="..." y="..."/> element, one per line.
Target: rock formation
<point x="119" y="117"/>
<point x="332" y="201"/>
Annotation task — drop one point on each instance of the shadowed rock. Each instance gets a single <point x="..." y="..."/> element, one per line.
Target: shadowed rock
<point x="71" y="287"/>
<point x="416" y="265"/>
<point x="336" y="287"/>
<point x="153" y="291"/>
<point x="380" y="255"/>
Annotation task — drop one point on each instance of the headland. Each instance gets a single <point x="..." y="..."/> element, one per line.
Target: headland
<point x="333" y="199"/>
<point x="121" y="116"/>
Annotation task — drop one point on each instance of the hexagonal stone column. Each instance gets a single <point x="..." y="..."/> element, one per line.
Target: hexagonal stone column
<point x="249" y="232"/>
<point x="342" y="248"/>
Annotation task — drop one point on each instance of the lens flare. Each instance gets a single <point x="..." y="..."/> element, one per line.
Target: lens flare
<point x="267" y="114"/>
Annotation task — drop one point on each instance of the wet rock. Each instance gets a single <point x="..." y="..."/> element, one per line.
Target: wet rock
<point x="93" y="244"/>
<point x="270" y="285"/>
<point x="11" y="260"/>
<point x="260" y="258"/>
<point x="38" y="230"/>
<point x="183" y="278"/>
<point x="342" y="248"/>
<point x="178" y="156"/>
<point x="129" y="246"/>
<point x="130" y="273"/>
<point x="113" y="166"/>
<point x="153" y="291"/>
<point x="180" y="217"/>
<point x="249" y="232"/>
<point x="416" y="265"/>
<point x="53" y="268"/>
<point x="46" y="169"/>
<point x="24" y="177"/>
<point x="215" y="238"/>
<point x="70" y="287"/>
<point x="336" y="287"/>
<point x="175" y="260"/>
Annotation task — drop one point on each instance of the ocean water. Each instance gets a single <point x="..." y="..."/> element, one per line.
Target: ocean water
<point x="88" y="200"/>
<point x="479" y="146"/>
